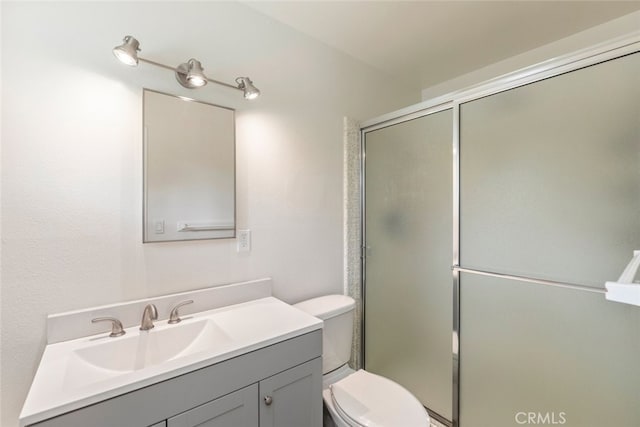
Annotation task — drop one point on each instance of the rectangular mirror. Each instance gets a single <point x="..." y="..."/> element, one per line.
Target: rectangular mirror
<point x="189" y="169"/>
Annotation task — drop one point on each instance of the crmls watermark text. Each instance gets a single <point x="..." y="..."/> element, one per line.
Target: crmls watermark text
<point x="541" y="418"/>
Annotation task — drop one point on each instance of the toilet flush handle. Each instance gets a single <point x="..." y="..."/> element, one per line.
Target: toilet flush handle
<point x="268" y="400"/>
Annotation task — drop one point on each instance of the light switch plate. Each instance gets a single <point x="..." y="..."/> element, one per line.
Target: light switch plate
<point x="244" y="240"/>
<point x="158" y="227"/>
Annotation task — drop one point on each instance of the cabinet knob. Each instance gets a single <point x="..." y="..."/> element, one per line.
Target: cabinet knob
<point x="268" y="400"/>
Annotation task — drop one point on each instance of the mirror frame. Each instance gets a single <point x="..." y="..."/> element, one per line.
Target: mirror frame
<point x="145" y="178"/>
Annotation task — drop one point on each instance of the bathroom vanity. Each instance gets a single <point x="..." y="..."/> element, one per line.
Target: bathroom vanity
<point x="254" y="363"/>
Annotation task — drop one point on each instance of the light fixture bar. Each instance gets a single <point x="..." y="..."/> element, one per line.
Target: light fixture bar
<point x="210" y="80"/>
<point x="189" y="74"/>
<point x="157" y="64"/>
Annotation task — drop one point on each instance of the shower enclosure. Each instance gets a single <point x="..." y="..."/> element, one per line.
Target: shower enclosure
<point x="491" y="221"/>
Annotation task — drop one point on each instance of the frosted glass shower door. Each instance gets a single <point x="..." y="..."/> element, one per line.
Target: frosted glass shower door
<point x="408" y="281"/>
<point x="550" y="190"/>
<point x="550" y="176"/>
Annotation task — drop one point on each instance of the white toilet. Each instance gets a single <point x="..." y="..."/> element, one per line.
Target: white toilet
<point x="357" y="398"/>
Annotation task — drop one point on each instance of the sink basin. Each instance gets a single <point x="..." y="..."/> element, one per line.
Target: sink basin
<point x="142" y="349"/>
<point x="155" y="346"/>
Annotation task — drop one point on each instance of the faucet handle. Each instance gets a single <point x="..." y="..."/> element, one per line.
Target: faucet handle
<point x="174" y="317"/>
<point x="116" y="326"/>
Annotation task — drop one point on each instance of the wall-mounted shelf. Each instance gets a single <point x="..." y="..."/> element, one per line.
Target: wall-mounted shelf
<point x="625" y="290"/>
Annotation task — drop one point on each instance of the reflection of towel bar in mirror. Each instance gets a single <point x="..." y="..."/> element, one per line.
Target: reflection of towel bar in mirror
<point x="185" y="226"/>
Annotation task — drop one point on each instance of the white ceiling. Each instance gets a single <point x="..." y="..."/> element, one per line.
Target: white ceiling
<point x="428" y="42"/>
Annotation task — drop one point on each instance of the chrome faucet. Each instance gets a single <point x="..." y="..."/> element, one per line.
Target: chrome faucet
<point x="149" y="314"/>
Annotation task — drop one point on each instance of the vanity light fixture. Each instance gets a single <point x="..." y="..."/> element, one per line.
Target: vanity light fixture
<point x="127" y="52"/>
<point x="250" y="91"/>
<point x="189" y="74"/>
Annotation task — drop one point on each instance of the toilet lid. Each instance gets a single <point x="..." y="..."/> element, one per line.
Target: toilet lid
<point x="366" y="399"/>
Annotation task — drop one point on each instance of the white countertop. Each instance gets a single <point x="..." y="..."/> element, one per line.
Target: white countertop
<point x="64" y="382"/>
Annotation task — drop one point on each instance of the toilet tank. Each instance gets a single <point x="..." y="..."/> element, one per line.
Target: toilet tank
<point x="336" y="311"/>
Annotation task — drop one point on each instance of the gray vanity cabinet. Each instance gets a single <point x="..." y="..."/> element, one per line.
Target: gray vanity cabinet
<point x="239" y="408"/>
<point x="279" y="385"/>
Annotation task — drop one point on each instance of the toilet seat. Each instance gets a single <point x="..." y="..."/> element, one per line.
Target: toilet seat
<point x="364" y="399"/>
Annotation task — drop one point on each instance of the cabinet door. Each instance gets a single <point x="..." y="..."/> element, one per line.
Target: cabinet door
<point x="293" y="397"/>
<point x="235" y="409"/>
